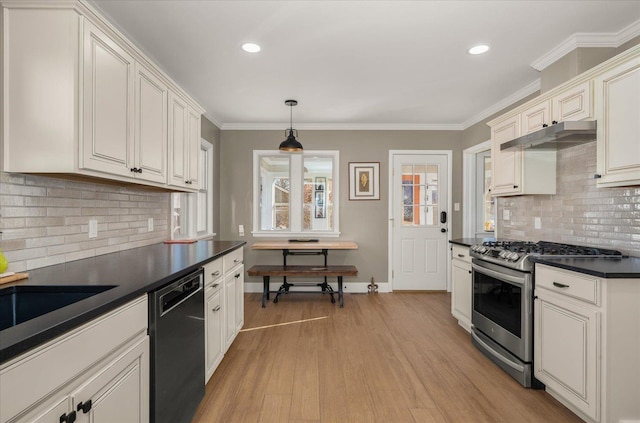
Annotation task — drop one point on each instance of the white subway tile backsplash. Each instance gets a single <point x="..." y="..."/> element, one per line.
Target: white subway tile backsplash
<point x="579" y="213"/>
<point x="45" y="221"/>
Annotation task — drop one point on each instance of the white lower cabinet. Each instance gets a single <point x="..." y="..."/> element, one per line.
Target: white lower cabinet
<point x="98" y="372"/>
<point x="586" y="343"/>
<point x="230" y="293"/>
<point x="461" y="285"/>
<point x="214" y="324"/>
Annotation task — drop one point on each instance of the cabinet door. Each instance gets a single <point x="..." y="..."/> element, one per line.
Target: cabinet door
<point x="573" y="104"/>
<point x="151" y="126"/>
<point x="461" y="292"/>
<point x="617" y="111"/>
<point x="536" y="117"/>
<point x="49" y="412"/>
<point x="192" y="152"/>
<point x="230" y="301"/>
<point x="239" y="277"/>
<point x="107" y="144"/>
<point x="214" y="326"/>
<point x="505" y="165"/>
<point x="119" y="392"/>
<point x="178" y="125"/>
<point x="565" y="350"/>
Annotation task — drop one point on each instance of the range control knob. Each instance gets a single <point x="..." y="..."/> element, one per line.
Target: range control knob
<point x="514" y="256"/>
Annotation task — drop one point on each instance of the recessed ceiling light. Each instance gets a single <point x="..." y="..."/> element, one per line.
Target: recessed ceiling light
<point x="251" y="47"/>
<point x="479" y="49"/>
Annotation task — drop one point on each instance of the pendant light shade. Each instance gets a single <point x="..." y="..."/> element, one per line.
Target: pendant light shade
<point x="291" y="144"/>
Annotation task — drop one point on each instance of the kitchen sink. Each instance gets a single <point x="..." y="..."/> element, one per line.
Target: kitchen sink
<point x="21" y="303"/>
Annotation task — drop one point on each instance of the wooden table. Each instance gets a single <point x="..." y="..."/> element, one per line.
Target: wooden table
<point x="298" y="248"/>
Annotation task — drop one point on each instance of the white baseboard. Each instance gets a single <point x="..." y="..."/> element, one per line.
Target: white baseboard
<point x="347" y="287"/>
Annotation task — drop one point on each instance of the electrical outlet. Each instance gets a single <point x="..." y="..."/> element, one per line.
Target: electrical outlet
<point x="93" y="228"/>
<point x="506" y="214"/>
<point x="241" y="230"/>
<point x="456" y="206"/>
<point x="537" y="223"/>
<point x="150" y="224"/>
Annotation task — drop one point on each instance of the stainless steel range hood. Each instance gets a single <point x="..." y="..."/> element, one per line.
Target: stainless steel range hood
<point x="555" y="137"/>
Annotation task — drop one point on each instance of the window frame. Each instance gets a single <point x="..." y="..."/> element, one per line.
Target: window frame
<point x="296" y="196"/>
<point x="189" y="202"/>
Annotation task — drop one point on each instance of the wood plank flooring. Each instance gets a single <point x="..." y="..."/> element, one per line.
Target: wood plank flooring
<point x="397" y="357"/>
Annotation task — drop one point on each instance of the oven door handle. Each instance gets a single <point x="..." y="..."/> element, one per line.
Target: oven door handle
<point x="496" y="354"/>
<point x="498" y="275"/>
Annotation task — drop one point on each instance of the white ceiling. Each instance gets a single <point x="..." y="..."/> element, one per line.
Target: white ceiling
<point x="361" y="64"/>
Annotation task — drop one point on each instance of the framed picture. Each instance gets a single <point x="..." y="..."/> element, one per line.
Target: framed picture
<point x="364" y="181"/>
<point x="320" y="183"/>
<point x="320" y="206"/>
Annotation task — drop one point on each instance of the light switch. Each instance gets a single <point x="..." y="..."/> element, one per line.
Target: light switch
<point x="506" y="214"/>
<point x="241" y="230"/>
<point x="93" y="228"/>
<point x="150" y="224"/>
<point x="456" y="206"/>
<point x="537" y="223"/>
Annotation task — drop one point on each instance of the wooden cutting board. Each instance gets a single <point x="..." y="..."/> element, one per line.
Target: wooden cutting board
<point x="13" y="278"/>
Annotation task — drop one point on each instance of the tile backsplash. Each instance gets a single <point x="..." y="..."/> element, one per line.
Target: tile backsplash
<point x="45" y="221"/>
<point x="579" y="213"/>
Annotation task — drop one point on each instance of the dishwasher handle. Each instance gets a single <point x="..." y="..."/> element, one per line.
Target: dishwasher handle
<point x="179" y="294"/>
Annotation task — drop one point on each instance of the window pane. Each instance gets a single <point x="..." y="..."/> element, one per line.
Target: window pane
<point x="419" y="195"/>
<point x="318" y="194"/>
<point x="274" y="193"/>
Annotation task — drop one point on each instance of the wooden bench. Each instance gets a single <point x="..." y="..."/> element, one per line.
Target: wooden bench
<point x="266" y="271"/>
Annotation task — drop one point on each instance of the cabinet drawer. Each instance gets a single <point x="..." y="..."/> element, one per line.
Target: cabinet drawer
<point x="40" y="371"/>
<point x="568" y="283"/>
<point x="460" y="252"/>
<point x="212" y="272"/>
<point x="232" y="259"/>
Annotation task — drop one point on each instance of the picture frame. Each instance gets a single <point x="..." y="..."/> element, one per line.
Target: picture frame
<point x="320" y="183"/>
<point x="364" y="180"/>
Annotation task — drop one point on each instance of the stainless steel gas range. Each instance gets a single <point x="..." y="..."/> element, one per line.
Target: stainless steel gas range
<point x="502" y="311"/>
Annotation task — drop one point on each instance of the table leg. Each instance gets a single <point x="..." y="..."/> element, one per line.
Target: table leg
<point x="265" y="290"/>
<point x="340" y="291"/>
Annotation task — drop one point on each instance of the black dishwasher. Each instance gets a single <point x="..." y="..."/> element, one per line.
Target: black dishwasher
<point x="176" y="331"/>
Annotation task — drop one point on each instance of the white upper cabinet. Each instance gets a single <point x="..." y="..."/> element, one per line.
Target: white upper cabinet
<point x="184" y="144"/>
<point x="618" y="116"/>
<point x="536" y="117"/>
<point x="573" y="104"/>
<point x="87" y="101"/>
<point x="107" y="104"/>
<point x="505" y="165"/>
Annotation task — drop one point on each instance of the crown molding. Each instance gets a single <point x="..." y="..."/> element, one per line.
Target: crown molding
<point x="613" y="40"/>
<point x="343" y="126"/>
<point x="529" y="89"/>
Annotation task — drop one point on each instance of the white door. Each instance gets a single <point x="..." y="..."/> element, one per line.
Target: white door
<point x="419" y="221"/>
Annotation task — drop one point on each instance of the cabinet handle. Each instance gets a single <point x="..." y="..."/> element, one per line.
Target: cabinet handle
<point x="470" y="272"/>
<point x="461" y="255"/>
<point x="597" y="176"/>
<point x="217" y="308"/>
<point x="554" y="122"/>
<point x="515" y="187"/>
<point x="215" y="285"/>
<point x="140" y="170"/>
<point x="84" y="406"/>
<point x="216" y="273"/>
<point x="236" y="260"/>
<point x="560" y="285"/>
<point x="544" y="125"/>
<point x="237" y="275"/>
<point x="134" y="169"/>
<point x="189" y="182"/>
<point x="68" y="418"/>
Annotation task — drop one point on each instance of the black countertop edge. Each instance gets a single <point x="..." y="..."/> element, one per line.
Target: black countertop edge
<point x="135" y="272"/>
<point x="608" y="268"/>
<point x="468" y="242"/>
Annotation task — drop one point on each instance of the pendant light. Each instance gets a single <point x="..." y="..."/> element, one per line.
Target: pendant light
<point x="291" y="144"/>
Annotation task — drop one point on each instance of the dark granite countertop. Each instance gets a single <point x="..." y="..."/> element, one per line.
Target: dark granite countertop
<point x="135" y="272"/>
<point x="468" y="242"/>
<point x="611" y="268"/>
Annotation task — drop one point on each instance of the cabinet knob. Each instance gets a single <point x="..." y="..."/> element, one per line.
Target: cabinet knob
<point x="68" y="418"/>
<point x="597" y="176"/>
<point x="470" y="272"/>
<point x="84" y="406"/>
<point x="515" y="187"/>
<point x="544" y="125"/>
<point x="237" y="275"/>
<point x="134" y="169"/>
<point x="554" y="122"/>
<point x="216" y="273"/>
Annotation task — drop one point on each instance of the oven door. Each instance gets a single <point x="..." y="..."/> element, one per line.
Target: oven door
<point x="502" y="307"/>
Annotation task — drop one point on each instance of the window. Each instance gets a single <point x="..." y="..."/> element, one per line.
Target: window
<point x="192" y="213"/>
<point x="295" y="194"/>
<point x="485" y="203"/>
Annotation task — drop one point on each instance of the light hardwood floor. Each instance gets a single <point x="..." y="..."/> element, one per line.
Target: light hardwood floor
<point x="397" y="357"/>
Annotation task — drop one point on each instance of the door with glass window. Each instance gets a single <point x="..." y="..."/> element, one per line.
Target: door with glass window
<point x="419" y="221"/>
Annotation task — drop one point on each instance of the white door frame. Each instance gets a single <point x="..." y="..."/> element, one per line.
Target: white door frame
<point x="469" y="185"/>
<point x="392" y="153"/>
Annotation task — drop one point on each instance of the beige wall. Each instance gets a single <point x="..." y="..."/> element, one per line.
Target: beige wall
<point x="365" y="222"/>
